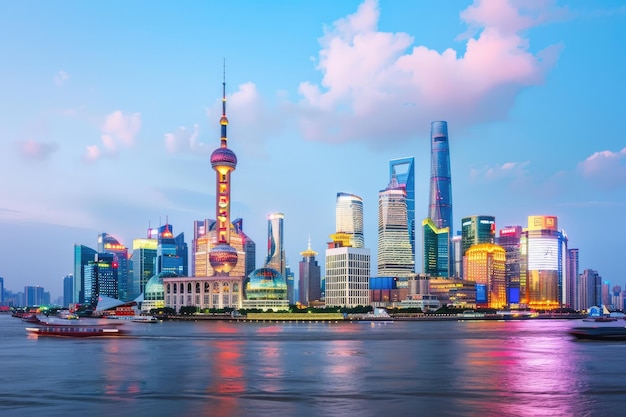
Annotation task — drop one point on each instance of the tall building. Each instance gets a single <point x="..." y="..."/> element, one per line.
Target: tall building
<point x="101" y="278"/>
<point x="218" y="283"/>
<point x="309" y="278"/>
<point x="590" y="289"/>
<point x="395" y="256"/>
<point x="144" y="264"/>
<point x="477" y="229"/>
<point x="546" y="263"/>
<point x="510" y="240"/>
<point x="248" y="246"/>
<point x="290" y="278"/>
<point x="35" y="296"/>
<point x="68" y="290"/>
<point x="436" y="259"/>
<point x="572" y="279"/>
<point x="486" y="266"/>
<point x="349" y="220"/>
<point x="109" y="244"/>
<point x="1" y="291"/>
<point x="82" y="256"/>
<point x="347" y="276"/>
<point x="205" y="238"/>
<point x="456" y="260"/>
<point x="403" y="169"/>
<point x="275" y="243"/>
<point x="440" y="203"/>
<point x="171" y="254"/>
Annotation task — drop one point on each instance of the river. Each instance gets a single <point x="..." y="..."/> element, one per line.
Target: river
<point x="365" y="369"/>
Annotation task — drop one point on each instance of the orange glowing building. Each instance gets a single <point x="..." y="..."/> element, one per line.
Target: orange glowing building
<point x="485" y="264"/>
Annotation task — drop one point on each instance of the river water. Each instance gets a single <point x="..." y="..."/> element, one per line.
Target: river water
<point x="365" y="369"/>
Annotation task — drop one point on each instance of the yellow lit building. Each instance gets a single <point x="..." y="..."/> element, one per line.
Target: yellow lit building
<point x="485" y="264"/>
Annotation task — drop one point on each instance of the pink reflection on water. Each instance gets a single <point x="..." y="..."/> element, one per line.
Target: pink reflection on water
<point x="525" y="365"/>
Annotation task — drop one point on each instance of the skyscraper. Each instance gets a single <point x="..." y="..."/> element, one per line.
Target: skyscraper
<point x="101" y="278"/>
<point x="275" y="245"/>
<point x="404" y="171"/>
<point x="1" y="290"/>
<point x="349" y="220"/>
<point x="82" y="256"/>
<point x="144" y="264"/>
<point x="437" y="227"/>
<point x="248" y="246"/>
<point x="171" y="251"/>
<point x="485" y="265"/>
<point x="309" y="282"/>
<point x="510" y="240"/>
<point x="109" y="244"/>
<point x="68" y="290"/>
<point x="440" y="203"/>
<point x="395" y="256"/>
<point x="590" y="289"/>
<point x="546" y="254"/>
<point x="477" y="229"/>
<point x="572" y="279"/>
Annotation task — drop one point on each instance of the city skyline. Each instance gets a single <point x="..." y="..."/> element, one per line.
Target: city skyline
<point x="109" y="129"/>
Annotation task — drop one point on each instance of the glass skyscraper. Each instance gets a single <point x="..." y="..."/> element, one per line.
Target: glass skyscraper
<point x="395" y="256"/>
<point x="403" y="169"/>
<point x="68" y="290"/>
<point x="309" y="284"/>
<point x="144" y="264"/>
<point x="275" y="246"/>
<point x="109" y="244"/>
<point x="510" y="239"/>
<point x="437" y="227"/>
<point x="82" y="256"/>
<point x="349" y="220"/>
<point x="440" y="203"/>
<point x="477" y="229"/>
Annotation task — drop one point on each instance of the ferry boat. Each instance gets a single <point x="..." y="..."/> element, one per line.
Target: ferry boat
<point x="136" y="319"/>
<point x="75" y="330"/>
<point x="599" y="333"/>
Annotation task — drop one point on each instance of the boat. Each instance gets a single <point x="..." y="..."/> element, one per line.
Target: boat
<point x="599" y="333"/>
<point x="136" y="319"/>
<point x="600" y="319"/>
<point x="75" y="330"/>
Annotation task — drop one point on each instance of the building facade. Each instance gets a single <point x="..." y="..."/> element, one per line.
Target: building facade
<point x="485" y="264"/>
<point x="403" y="169"/>
<point x="436" y="258"/>
<point x="144" y="264"/>
<point x="395" y="253"/>
<point x="510" y="239"/>
<point x="275" y="243"/>
<point x="572" y="279"/>
<point x="82" y="256"/>
<point x="590" y="289"/>
<point x="215" y="292"/>
<point x="109" y="244"/>
<point x="347" y="276"/>
<point x="101" y="278"/>
<point x="68" y="290"/>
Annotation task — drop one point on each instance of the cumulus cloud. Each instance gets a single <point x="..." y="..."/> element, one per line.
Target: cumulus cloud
<point x="61" y="77"/>
<point x="605" y="169"/>
<point x="185" y="140"/>
<point x="31" y="149"/>
<point x="507" y="170"/>
<point x="118" y="131"/>
<point x="375" y="88"/>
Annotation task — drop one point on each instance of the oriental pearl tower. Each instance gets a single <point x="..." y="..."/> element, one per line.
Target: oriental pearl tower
<point x="222" y="256"/>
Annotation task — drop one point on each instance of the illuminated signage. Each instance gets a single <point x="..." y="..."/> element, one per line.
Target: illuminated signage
<point x="113" y="246"/>
<point x="543" y="254"/>
<point x="483" y="221"/>
<point x="509" y="231"/>
<point x="542" y="223"/>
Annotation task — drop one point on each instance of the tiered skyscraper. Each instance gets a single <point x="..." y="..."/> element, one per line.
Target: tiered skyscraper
<point x="437" y="227"/>
<point x="310" y="287"/>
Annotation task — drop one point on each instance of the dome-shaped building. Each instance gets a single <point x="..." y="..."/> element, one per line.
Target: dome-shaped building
<point x="154" y="293"/>
<point x="266" y="288"/>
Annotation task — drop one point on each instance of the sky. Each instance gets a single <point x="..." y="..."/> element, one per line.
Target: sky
<point x="109" y="112"/>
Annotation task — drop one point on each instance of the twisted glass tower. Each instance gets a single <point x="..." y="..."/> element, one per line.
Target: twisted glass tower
<point x="440" y="203"/>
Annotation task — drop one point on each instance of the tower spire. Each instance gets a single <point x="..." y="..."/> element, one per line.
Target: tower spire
<point x="224" y="119"/>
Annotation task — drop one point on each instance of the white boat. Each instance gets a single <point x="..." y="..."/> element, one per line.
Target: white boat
<point x="136" y="319"/>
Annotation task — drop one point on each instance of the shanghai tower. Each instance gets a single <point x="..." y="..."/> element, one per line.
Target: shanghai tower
<point x="440" y="203"/>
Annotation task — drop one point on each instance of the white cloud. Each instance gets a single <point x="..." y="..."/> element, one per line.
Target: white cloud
<point x="507" y="170"/>
<point x="375" y="89"/>
<point x="185" y="140"/>
<point x="606" y="169"/>
<point x="118" y="131"/>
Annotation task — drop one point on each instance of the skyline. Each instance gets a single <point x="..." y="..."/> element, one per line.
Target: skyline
<point x="109" y="128"/>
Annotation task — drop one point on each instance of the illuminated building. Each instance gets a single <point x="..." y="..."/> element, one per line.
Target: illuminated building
<point x="275" y="245"/>
<point x="171" y="253"/>
<point x="205" y="238"/>
<point x="510" y="239"/>
<point x="477" y="229"/>
<point x="590" y="289"/>
<point x="100" y="278"/>
<point x="572" y="279"/>
<point x="385" y="291"/>
<point x="395" y="256"/>
<point x="82" y="256"/>
<point x="403" y="169"/>
<point x="218" y="276"/>
<point x="436" y="249"/>
<point x="265" y="289"/>
<point x="349" y="219"/>
<point x="546" y="263"/>
<point x="35" y="296"/>
<point x="291" y="287"/>
<point x="456" y="260"/>
<point x="109" y="244"/>
<point x="453" y="292"/>
<point x="485" y="264"/>
<point x="248" y="246"/>
<point x="144" y="264"/>
<point x="154" y="293"/>
<point x="309" y="277"/>
<point x="68" y="290"/>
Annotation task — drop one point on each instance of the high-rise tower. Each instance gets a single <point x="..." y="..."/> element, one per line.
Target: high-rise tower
<point x="223" y="257"/>
<point x="349" y="220"/>
<point x="403" y="169"/>
<point x="440" y="203"/>
<point x="310" y="288"/>
<point x="275" y="246"/>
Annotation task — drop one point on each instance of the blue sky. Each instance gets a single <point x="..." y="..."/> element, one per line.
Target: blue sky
<point x="110" y="111"/>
